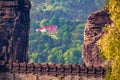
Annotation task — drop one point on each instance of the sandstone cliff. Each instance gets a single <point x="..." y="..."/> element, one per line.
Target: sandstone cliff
<point x="14" y="29"/>
<point x="92" y="33"/>
<point x="9" y="76"/>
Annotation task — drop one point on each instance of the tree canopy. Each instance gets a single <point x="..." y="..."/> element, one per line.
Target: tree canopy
<point x="70" y="16"/>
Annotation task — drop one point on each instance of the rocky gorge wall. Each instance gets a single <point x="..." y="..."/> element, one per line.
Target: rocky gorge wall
<point x="14" y="30"/>
<point x="92" y="33"/>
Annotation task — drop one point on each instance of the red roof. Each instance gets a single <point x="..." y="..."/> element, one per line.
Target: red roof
<point x="49" y="29"/>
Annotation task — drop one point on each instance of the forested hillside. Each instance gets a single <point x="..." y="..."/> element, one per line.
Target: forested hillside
<point x="70" y="16"/>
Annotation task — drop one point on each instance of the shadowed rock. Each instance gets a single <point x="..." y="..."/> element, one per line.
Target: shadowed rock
<point x="14" y="29"/>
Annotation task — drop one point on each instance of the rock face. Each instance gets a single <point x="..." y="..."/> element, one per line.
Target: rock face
<point x="92" y="33"/>
<point x="16" y="76"/>
<point x="14" y="29"/>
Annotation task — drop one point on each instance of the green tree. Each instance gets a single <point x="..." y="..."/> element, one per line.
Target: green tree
<point x="54" y="21"/>
<point x="44" y="22"/>
<point x="34" y="57"/>
<point x="69" y="57"/>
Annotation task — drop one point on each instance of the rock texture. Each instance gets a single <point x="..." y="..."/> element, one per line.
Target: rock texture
<point x="16" y="76"/>
<point x="92" y="33"/>
<point x="14" y="29"/>
<point x="43" y="71"/>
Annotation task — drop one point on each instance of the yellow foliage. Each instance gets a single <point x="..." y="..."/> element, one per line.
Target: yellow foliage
<point x="49" y="7"/>
<point x="110" y="42"/>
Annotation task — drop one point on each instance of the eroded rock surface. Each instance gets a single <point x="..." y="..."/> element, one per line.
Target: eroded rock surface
<point x="16" y="76"/>
<point x="92" y="33"/>
<point x="14" y="29"/>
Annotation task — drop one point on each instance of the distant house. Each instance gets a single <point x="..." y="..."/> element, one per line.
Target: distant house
<point x="41" y="29"/>
<point x="50" y="29"/>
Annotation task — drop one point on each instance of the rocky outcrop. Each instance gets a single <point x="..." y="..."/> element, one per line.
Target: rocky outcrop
<point x="14" y="29"/>
<point x="17" y="76"/>
<point x="92" y="33"/>
<point x="44" y="71"/>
